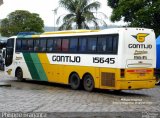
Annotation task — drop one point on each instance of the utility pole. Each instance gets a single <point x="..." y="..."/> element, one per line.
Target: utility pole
<point x="55" y="13"/>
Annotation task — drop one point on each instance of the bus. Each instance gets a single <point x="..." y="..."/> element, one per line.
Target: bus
<point x="114" y="59"/>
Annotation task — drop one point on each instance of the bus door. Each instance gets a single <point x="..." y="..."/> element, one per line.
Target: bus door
<point x="9" y="52"/>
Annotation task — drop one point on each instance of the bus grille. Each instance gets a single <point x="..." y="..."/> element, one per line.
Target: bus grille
<point x="108" y="79"/>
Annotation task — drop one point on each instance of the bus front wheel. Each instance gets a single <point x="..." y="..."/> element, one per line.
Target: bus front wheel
<point x="19" y="74"/>
<point x="88" y="83"/>
<point x="75" y="81"/>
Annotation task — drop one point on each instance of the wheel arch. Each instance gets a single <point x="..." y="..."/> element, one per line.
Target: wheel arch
<point x="16" y="70"/>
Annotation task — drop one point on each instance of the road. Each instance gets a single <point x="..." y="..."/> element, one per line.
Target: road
<point x="32" y="96"/>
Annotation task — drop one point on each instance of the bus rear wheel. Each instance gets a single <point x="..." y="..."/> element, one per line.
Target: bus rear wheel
<point x="19" y="74"/>
<point x="75" y="81"/>
<point x="157" y="81"/>
<point x="88" y="83"/>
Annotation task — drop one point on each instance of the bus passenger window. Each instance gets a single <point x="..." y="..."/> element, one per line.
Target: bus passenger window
<point x="57" y="44"/>
<point x="82" y="44"/>
<point x="101" y="47"/>
<point x="109" y="44"/>
<point x="115" y="44"/>
<point x="42" y="45"/>
<point x="36" y="45"/>
<point x="65" y="45"/>
<point x="50" y="45"/>
<point x="92" y="44"/>
<point x="30" y="45"/>
<point x="18" y="45"/>
<point x="73" y="45"/>
<point x="24" y="45"/>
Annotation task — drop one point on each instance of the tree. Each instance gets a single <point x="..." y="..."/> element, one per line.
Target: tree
<point x="80" y="14"/>
<point x="138" y="13"/>
<point x="21" y="21"/>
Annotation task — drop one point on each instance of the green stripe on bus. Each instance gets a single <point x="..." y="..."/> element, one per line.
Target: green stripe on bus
<point x="39" y="67"/>
<point x="31" y="66"/>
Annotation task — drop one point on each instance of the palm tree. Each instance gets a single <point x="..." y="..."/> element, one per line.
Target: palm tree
<point x="80" y="14"/>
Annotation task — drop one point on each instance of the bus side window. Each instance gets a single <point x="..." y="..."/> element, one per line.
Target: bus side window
<point x="65" y="45"/>
<point x="42" y="45"/>
<point x="101" y="46"/>
<point x="82" y="44"/>
<point x="115" y="44"/>
<point x="92" y="44"/>
<point x="30" y="45"/>
<point x="73" y="45"/>
<point x="24" y="45"/>
<point x="109" y="45"/>
<point x="18" y="45"/>
<point x="50" y="46"/>
<point x="57" y="44"/>
<point x="36" y="45"/>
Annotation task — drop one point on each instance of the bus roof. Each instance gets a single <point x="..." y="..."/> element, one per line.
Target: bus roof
<point x="77" y="32"/>
<point x="70" y="31"/>
<point x="29" y="35"/>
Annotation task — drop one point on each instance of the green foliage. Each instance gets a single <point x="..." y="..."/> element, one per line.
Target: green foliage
<point x="113" y="3"/>
<point x="21" y="21"/>
<point x="80" y="14"/>
<point x="138" y="13"/>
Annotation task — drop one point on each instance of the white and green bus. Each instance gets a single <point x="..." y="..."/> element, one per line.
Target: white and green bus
<point x="116" y="59"/>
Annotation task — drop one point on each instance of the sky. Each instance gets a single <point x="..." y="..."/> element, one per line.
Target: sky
<point x="45" y="9"/>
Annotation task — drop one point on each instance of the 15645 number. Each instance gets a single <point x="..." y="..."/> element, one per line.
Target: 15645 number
<point x="103" y="60"/>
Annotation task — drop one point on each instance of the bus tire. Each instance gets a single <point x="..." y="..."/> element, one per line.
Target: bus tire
<point x="19" y="74"/>
<point x="88" y="83"/>
<point x="75" y="81"/>
<point x="157" y="81"/>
